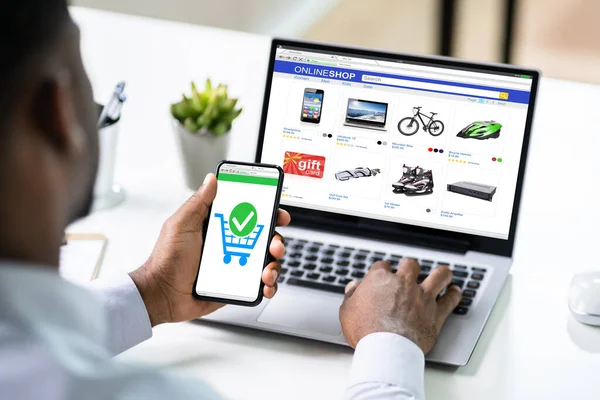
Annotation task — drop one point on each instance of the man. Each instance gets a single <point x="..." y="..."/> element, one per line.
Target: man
<point x="56" y="339"/>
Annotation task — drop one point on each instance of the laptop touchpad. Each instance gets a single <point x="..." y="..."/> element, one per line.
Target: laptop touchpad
<point x="303" y="310"/>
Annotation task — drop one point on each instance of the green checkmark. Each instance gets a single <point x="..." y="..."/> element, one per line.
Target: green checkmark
<point x="243" y="219"/>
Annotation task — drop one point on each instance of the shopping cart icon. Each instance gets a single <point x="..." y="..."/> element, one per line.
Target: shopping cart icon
<point x="235" y="246"/>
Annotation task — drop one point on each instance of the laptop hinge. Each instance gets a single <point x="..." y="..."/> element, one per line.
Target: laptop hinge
<point x="376" y="231"/>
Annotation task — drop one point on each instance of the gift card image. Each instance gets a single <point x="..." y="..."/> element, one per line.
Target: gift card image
<point x="303" y="164"/>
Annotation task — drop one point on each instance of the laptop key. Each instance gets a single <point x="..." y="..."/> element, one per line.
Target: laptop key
<point x="297" y="273"/>
<point x="359" y="265"/>
<point x="460" y="310"/>
<point x="343" y="263"/>
<point x="313" y="275"/>
<point x="458" y="266"/>
<point x="375" y="259"/>
<point x="344" y="281"/>
<point x="426" y="262"/>
<point x="469" y="293"/>
<point x="281" y="279"/>
<point x="329" y="252"/>
<point x="364" y="251"/>
<point x="358" y="274"/>
<point x="349" y="248"/>
<point x="329" y="278"/>
<point x="310" y="267"/>
<point x="396" y="256"/>
<point x="319" y="244"/>
<point x="458" y="282"/>
<point x="379" y="253"/>
<point x="282" y="261"/>
<point x="421" y="278"/>
<point x="465" y="302"/>
<point x="478" y="269"/>
<point x="284" y="271"/>
<point x="477" y="276"/>
<point x="441" y="264"/>
<point x="295" y="255"/>
<point x="312" y="249"/>
<point x="341" y="272"/>
<point x="344" y="254"/>
<point x="460" y="274"/>
<point x="473" y="285"/>
<point x="425" y="268"/>
<point x="327" y="260"/>
<point x="298" y="246"/>
<point x="392" y="262"/>
<point x="360" y="257"/>
<point x="316" y="285"/>
<point x="326" y="269"/>
<point x="293" y="264"/>
<point x="311" y="257"/>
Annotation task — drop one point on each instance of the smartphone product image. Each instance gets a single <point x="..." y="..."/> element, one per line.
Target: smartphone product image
<point x="312" y="105"/>
<point x="238" y="232"/>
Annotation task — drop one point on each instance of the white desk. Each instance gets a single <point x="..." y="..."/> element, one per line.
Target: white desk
<point x="531" y="347"/>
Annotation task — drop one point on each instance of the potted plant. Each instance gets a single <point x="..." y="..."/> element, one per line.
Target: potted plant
<point x="201" y="123"/>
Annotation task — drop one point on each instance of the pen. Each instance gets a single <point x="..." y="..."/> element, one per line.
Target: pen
<point x="112" y="109"/>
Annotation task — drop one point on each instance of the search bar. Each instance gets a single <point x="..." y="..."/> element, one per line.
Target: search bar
<point x="435" y="86"/>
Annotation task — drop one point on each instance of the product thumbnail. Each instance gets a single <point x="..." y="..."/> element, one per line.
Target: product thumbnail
<point x="472" y="189"/>
<point x="409" y="126"/>
<point x="481" y="130"/>
<point x="359" y="172"/>
<point x="414" y="181"/>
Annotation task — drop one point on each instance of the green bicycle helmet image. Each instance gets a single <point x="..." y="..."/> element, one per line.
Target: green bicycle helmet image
<point x="481" y="130"/>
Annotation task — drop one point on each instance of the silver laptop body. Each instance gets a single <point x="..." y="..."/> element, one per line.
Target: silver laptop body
<point x="327" y="246"/>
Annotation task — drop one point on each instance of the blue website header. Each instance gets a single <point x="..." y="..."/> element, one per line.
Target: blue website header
<point x="401" y="81"/>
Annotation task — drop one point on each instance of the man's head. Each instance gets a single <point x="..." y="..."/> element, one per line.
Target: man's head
<point x="48" y="137"/>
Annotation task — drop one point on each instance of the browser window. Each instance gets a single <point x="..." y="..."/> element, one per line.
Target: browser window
<point x="410" y="143"/>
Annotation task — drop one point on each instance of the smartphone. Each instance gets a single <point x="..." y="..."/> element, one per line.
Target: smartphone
<point x="238" y="232"/>
<point x="312" y="105"/>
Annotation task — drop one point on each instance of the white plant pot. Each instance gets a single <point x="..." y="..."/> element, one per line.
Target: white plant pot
<point x="200" y="153"/>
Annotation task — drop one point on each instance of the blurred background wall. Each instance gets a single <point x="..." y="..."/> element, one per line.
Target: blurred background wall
<point x="560" y="37"/>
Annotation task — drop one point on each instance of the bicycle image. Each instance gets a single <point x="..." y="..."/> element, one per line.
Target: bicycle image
<point x="410" y="125"/>
<point x="237" y="246"/>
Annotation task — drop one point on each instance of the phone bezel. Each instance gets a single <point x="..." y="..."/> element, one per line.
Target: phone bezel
<point x="315" y="91"/>
<point x="267" y="259"/>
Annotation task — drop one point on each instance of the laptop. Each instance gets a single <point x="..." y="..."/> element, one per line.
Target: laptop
<point x="366" y="114"/>
<point x="339" y="228"/>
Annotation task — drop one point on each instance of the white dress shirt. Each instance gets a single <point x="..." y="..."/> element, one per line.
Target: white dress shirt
<point x="57" y="341"/>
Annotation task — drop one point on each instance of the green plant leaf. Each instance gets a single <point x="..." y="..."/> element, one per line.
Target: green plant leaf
<point x="220" y="129"/>
<point x="190" y="125"/>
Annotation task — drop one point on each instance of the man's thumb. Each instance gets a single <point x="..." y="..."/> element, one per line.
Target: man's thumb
<point x="193" y="212"/>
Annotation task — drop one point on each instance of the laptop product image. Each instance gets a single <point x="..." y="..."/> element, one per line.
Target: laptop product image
<point x="335" y="237"/>
<point x="366" y="114"/>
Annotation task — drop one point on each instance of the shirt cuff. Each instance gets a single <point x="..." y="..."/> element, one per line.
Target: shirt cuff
<point x="127" y="317"/>
<point x="391" y="359"/>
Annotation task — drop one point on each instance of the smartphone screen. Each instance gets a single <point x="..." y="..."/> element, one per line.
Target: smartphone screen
<point x="240" y="226"/>
<point x="312" y="105"/>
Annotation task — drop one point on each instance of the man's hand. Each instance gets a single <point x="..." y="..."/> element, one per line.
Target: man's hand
<point x="166" y="280"/>
<point x="388" y="302"/>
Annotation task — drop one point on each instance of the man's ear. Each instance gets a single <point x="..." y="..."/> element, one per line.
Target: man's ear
<point x="54" y="114"/>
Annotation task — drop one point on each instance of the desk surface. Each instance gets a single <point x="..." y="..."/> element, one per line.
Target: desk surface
<point x="531" y="348"/>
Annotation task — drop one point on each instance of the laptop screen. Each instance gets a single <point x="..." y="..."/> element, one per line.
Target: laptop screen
<point x="423" y="144"/>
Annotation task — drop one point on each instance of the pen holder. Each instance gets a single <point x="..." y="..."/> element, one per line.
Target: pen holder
<point x="107" y="193"/>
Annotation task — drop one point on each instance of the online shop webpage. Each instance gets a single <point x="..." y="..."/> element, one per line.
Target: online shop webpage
<point x="237" y="236"/>
<point x="415" y="144"/>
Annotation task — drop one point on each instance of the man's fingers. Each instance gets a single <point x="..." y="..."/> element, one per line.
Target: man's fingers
<point x="269" y="291"/>
<point x="350" y="288"/>
<point x="191" y="215"/>
<point x="271" y="273"/>
<point x="283" y="218"/>
<point x="381" y="265"/>
<point x="437" y="281"/>
<point x="409" y="267"/>
<point x="446" y="304"/>
<point x="277" y="248"/>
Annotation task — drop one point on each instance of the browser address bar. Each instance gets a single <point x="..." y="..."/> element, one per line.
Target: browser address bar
<point x="436" y="86"/>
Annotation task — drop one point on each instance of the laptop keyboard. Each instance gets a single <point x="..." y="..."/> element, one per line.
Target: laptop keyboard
<point x="330" y="267"/>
